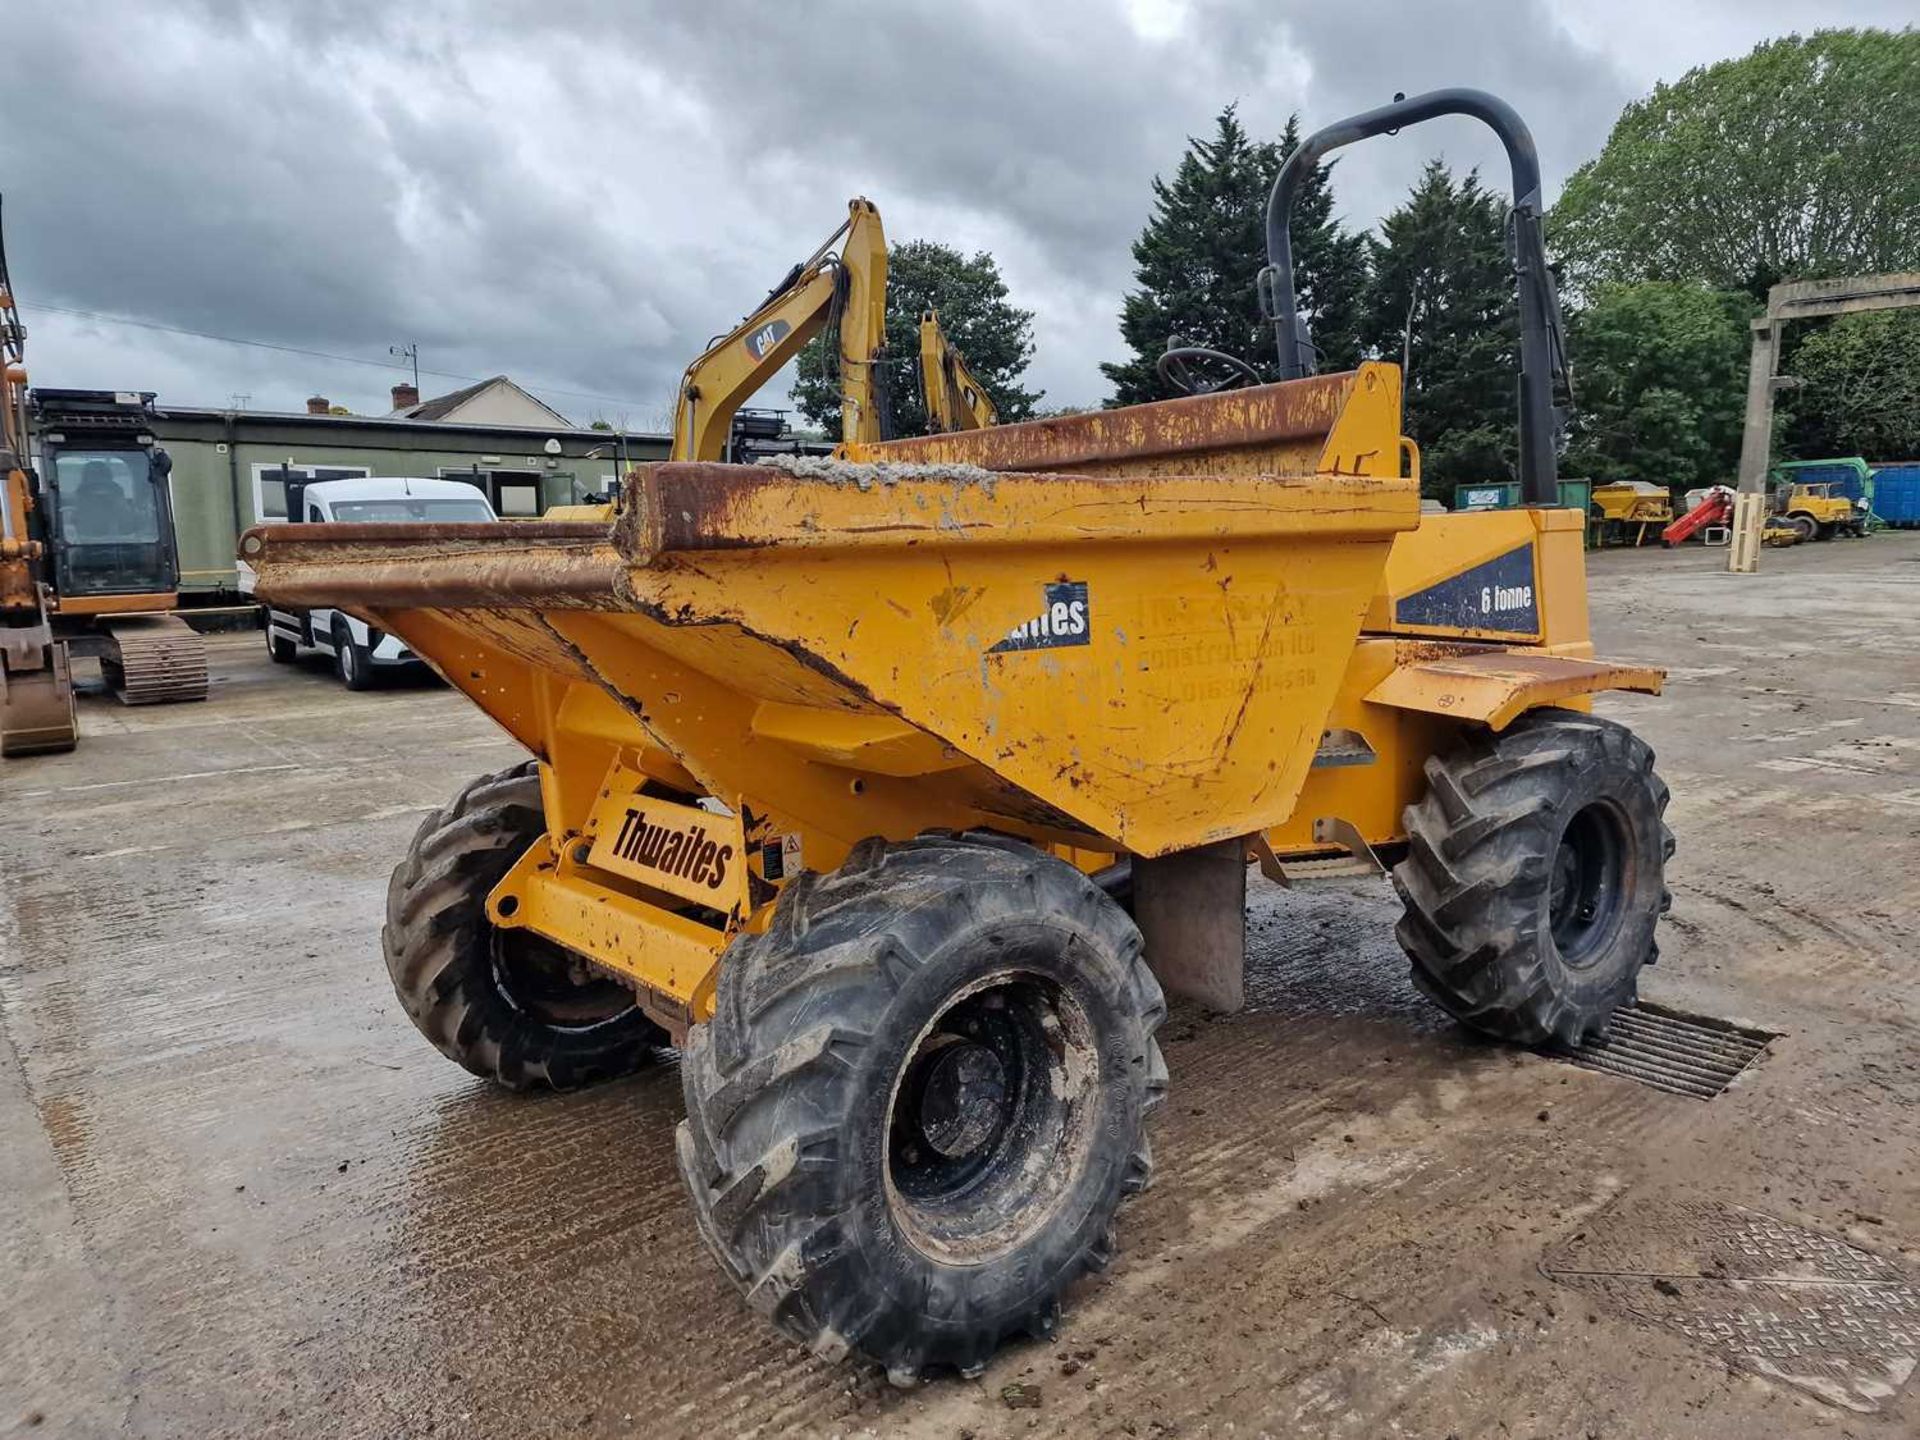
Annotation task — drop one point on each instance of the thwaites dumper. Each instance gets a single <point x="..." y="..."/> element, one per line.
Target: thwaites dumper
<point x="894" y="790"/>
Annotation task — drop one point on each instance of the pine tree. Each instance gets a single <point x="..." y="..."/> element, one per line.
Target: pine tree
<point x="1197" y="259"/>
<point x="1441" y="300"/>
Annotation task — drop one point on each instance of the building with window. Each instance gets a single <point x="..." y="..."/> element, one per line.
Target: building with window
<point x="231" y="467"/>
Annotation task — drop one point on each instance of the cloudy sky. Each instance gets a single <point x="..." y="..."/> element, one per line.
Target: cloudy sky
<point x="580" y="192"/>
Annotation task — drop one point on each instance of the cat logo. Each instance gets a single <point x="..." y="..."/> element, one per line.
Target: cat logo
<point x="759" y="342"/>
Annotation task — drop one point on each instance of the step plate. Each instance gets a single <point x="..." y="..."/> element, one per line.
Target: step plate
<point x="1682" y="1054"/>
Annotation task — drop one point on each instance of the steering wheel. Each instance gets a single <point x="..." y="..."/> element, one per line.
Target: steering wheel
<point x="1180" y="367"/>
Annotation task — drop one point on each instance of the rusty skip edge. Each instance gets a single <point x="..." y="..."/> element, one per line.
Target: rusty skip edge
<point x="1230" y="419"/>
<point x="511" y="563"/>
<point x="697" y="506"/>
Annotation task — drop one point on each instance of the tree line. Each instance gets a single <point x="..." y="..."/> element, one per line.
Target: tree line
<point x="1797" y="161"/>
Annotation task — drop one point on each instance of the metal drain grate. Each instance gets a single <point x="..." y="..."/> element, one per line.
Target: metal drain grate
<point x="1684" y="1054"/>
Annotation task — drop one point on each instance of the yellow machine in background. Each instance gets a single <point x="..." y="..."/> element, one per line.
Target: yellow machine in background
<point x="89" y="565"/>
<point x="1624" y="511"/>
<point x="844" y="775"/>
<point x="1817" y="513"/>
<point x="843" y="290"/>
<point x="955" y="399"/>
<point x="840" y="289"/>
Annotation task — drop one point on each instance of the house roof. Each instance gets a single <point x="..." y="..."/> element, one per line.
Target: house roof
<point x="175" y="417"/>
<point x="441" y="406"/>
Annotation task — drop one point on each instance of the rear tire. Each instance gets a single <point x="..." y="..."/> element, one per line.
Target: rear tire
<point x="1805" y="526"/>
<point x="280" y="650"/>
<point x="508" y="1005"/>
<point x="921" y="1098"/>
<point x="1535" y="876"/>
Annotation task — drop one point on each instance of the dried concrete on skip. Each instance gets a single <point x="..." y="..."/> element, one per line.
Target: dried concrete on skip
<point x="864" y="475"/>
<point x="245" y="1198"/>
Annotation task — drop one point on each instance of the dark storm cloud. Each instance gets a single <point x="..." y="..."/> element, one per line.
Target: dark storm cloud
<point x="581" y="193"/>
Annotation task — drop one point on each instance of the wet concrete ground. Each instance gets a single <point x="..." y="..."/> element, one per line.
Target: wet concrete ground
<point x="242" y="1198"/>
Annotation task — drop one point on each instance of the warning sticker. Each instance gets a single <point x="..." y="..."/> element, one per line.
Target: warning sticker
<point x="781" y="858"/>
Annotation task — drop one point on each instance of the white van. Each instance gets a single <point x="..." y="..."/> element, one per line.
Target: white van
<point x="359" y="650"/>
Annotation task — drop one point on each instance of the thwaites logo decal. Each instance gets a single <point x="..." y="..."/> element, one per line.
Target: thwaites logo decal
<point x="759" y="342"/>
<point x="682" y="849"/>
<point x="1065" y="618"/>
<point x="686" y="853"/>
<point x="1497" y="594"/>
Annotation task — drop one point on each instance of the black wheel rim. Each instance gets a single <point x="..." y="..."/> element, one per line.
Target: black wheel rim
<point x="1589" y="883"/>
<point x="545" y="982"/>
<point x="989" y="1117"/>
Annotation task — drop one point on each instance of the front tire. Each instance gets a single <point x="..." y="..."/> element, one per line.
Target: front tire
<point x="921" y="1099"/>
<point x="510" y="1006"/>
<point x="1535" y="876"/>
<point x="353" y="663"/>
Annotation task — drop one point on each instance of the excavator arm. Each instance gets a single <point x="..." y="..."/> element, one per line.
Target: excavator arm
<point x="850" y="286"/>
<point x="19" y="584"/>
<point x="955" y="398"/>
<point x="36" y="687"/>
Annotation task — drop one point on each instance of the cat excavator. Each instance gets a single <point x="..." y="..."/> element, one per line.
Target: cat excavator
<point x="842" y="289"/>
<point x="88" y="561"/>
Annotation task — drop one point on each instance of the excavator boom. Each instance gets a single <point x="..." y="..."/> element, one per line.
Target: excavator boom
<point x="849" y="287"/>
<point x="955" y="398"/>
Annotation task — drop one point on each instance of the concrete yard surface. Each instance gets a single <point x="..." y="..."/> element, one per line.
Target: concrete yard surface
<point x="242" y="1196"/>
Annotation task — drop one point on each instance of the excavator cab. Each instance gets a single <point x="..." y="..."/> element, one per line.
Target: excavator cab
<point x="109" y="516"/>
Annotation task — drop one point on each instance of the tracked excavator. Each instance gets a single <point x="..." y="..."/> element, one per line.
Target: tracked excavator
<point x="88" y="561"/>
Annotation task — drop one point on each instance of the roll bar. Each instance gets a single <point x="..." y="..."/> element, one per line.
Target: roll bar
<point x="1543" y="367"/>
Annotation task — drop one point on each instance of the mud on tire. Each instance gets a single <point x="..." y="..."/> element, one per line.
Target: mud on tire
<point x="921" y="1099"/>
<point x="508" y="1005"/>
<point x="1535" y="876"/>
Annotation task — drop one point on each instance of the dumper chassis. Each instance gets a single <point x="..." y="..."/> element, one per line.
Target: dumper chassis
<point x="898" y="790"/>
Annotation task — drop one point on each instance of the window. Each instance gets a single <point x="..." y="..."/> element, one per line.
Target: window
<point x="443" y="510"/>
<point x="270" y="484"/>
<point x="519" y="498"/>
<point x="106" y="498"/>
<point x="513" y="492"/>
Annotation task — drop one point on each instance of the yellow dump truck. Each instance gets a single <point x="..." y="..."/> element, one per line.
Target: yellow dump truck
<point x="894" y="789"/>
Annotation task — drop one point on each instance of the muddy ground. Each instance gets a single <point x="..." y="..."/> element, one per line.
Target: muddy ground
<point x="241" y="1197"/>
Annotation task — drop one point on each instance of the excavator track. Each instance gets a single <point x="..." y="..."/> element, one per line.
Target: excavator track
<point x="154" y="660"/>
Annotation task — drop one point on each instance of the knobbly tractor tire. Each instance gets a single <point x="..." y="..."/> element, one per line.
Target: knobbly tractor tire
<point x="1535" y="876"/>
<point x="921" y="1100"/>
<point x="509" y="1005"/>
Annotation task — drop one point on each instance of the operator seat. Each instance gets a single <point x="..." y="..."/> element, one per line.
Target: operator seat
<point x="101" y="510"/>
